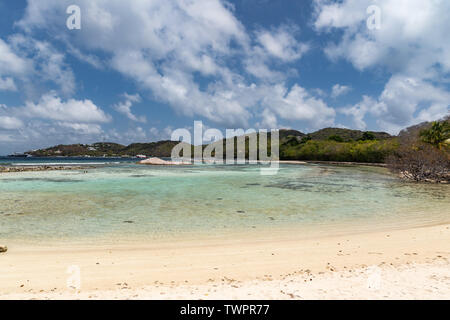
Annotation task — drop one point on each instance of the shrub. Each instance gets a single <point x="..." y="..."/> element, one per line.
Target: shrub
<point x="422" y="162"/>
<point x="329" y="150"/>
<point x="423" y="154"/>
<point x="336" y="138"/>
<point x="367" y="136"/>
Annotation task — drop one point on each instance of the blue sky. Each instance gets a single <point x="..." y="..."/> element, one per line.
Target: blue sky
<point x="137" y="70"/>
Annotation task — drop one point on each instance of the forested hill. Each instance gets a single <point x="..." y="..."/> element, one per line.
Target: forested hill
<point x="109" y="149"/>
<point x="289" y="139"/>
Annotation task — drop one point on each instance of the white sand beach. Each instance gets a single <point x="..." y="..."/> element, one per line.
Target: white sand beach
<point x="398" y="264"/>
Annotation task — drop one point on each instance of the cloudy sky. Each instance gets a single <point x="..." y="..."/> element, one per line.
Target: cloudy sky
<point x="138" y="69"/>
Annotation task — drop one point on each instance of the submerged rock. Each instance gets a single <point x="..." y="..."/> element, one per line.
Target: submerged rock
<point x="3" y="249"/>
<point x="8" y="169"/>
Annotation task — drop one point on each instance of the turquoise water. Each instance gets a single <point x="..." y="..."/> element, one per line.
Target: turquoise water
<point x="130" y="201"/>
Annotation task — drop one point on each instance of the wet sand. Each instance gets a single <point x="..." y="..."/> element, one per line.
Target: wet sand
<point x="396" y="264"/>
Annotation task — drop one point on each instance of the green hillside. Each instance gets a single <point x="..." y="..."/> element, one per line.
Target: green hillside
<point x="100" y="149"/>
<point x="347" y="135"/>
<point x="329" y="144"/>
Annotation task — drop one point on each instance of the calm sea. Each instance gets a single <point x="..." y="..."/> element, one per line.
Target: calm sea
<point x="122" y="200"/>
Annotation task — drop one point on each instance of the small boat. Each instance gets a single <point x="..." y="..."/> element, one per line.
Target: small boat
<point x="141" y="156"/>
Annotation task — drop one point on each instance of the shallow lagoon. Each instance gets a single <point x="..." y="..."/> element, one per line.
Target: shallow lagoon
<point x="127" y="201"/>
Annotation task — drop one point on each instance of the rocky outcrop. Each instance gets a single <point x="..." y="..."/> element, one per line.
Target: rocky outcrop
<point x="3" y="249"/>
<point x="42" y="168"/>
<point x="161" y="162"/>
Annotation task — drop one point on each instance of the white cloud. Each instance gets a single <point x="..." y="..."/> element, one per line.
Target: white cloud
<point x="167" y="132"/>
<point x="82" y="128"/>
<point x="339" y="90"/>
<point x="10" y="62"/>
<point x="134" y="135"/>
<point x="36" y="133"/>
<point x="10" y="123"/>
<point x="413" y="37"/>
<point x="12" y="66"/>
<point x="27" y="64"/>
<point x="269" y="120"/>
<point x="154" y="131"/>
<point x="7" y="84"/>
<point x="125" y="107"/>
<point x="359" y="111"/>
<point x="404" y="101"/>
<point x="7" y="120"/>
<point x="51" y="107"/>
<point x="165" y="46"/>
<point x="90" y="59"/>
<point x="48" y="63"/>
<point x="297" y="104"/>
<point x="281" y="43"/>
<point x="275" y="45"/>
<point x="50" y="121"/>
<point x="412" y="44"/>
<point x="157" y="134"/>
<point x="334" y="15"/>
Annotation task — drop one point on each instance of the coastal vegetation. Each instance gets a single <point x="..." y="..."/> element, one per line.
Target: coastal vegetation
<point x="330" y="144"/>
<point x="419" y="153"/>
<point x="437" y="134"/>
<point x="368" y="151"/>
<point x="423" y="153"/>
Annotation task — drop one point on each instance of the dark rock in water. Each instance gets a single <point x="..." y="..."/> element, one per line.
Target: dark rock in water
<point x="128" y="221"/>
<point x="291" y="186"/>
<point x="3" y="249"/>
<point x="49" y="180"/>
<point x="42" y="168"/>
<point x="240" y="211"/>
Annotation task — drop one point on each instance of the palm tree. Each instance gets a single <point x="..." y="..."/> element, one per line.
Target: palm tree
<point x="437" y="134"/>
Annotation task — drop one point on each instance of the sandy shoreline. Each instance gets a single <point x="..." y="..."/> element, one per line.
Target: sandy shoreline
<point x="410" y="263"/>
